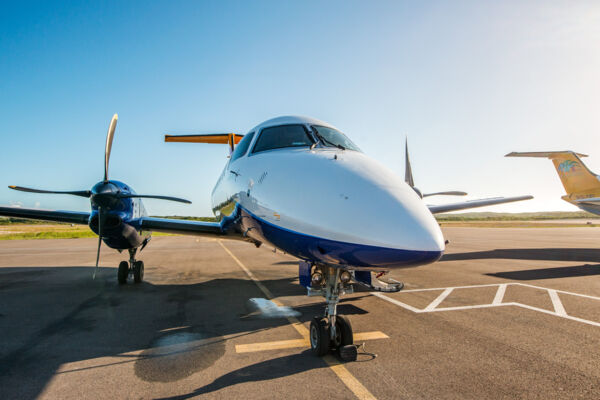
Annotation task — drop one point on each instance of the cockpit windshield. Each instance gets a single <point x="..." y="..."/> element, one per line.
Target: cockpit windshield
<point x="277" y="137"/>
<point x="334" y="138"/>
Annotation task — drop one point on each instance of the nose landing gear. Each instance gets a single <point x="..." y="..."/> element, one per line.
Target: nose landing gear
<point x="133" y="267"/>
<point x="332" y="332"/>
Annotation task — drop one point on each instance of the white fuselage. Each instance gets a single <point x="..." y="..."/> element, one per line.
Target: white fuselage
<point x="326" y="204"/>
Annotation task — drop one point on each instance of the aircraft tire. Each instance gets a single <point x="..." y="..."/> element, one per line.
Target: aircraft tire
<point x="138" y="271"/>
<point x="344" y="327"/>
<point x="319" y="336"/>
<point x="123" y="272"/>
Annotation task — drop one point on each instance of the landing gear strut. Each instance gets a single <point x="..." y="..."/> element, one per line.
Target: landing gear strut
<point x="331" y="332"/>
<point x="134" y="267"/>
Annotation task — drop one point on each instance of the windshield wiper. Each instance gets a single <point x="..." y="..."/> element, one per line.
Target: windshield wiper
<point x="325" y="141"/>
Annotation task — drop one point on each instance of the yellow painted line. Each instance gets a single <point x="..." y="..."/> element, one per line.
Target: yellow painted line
<point x="290" y="344"/>
<point x="349" y="380"/>
<point x="345" y="376"/>
<point x="360" y="336"/>
<point x="280" y="344"/>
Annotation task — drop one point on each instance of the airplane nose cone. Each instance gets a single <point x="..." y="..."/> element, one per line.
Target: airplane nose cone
<point x="353" y="211"/>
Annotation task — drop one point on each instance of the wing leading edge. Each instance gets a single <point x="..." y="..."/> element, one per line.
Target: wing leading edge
<point x="72" y="217"/>
<point x="179" y="226"/>
<point x="475" y="203"/>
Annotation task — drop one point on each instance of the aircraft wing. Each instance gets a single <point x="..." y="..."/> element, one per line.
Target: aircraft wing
<point x="475" y="203"/>
<point x="185" y="227"/>
<point x="72" y="217"/>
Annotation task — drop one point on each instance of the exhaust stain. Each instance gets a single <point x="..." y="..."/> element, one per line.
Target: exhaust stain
<point x="178" y="355"/>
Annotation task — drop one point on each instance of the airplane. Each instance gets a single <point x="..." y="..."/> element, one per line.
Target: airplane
<point x="582" y="186"/>
<point x="115" y="215"/>
<point x="301" y="186"/>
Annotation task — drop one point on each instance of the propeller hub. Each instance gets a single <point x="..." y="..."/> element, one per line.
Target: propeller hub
<point x="104" y="194"/>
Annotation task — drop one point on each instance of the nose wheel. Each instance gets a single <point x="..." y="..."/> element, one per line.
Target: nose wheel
<point x="332" y="332"/>
<point x="131" y="267"/>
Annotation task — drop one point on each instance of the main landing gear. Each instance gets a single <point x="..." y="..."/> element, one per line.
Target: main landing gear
<point x="133" y="267"/>
<point x="332" y="332"/>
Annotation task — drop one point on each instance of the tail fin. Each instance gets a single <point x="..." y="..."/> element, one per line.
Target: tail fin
<point x="573" y="173"/>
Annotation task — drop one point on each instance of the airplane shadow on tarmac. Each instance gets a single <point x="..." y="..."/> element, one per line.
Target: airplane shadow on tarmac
<point x="53" y="316"/>
<point x="544" y="254"/>
<point x="270" y="369"/>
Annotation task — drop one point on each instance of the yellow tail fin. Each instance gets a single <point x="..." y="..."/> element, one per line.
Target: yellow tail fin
<point x="574" y="175"/>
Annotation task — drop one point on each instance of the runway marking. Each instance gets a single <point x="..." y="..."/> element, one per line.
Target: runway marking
<point x="558" y="307"/>
<point x="294" y="343"/>
<point x="500" y="294"/>
<point x="345" y="376"/>
<point x="439" y="299"/>
<point x="559" y="310"/>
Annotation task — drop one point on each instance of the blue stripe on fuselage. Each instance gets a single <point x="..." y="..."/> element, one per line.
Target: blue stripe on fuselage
<point x="328" y="251"/>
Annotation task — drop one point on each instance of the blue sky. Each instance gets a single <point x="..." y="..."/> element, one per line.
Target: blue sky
<point x="466" y="81"/>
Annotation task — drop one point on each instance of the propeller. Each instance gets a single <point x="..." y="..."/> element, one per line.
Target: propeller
<point x="100" y="223"/>
<point x="109" y="139"/>
<point x="81" y="193"/>
<point x="150" y="196"/>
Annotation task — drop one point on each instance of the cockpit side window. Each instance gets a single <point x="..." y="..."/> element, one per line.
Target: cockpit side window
<point x="277" y="137"/>
<point x="242" y="146"/>
<point x="334" y="138"/>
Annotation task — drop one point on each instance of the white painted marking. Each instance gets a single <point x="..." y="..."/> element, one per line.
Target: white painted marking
<point x="559" y="291"/>
<point x="558" y="307"/>
<point x="439" y="299"/>
<point x="452" y="287"/>
<point x="500" y="294"/>
<point x="468" y="307"/>
<point x="396" y="302"/>
<point x="559" y="310"/>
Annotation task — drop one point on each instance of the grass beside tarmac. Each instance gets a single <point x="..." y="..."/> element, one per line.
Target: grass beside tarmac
<point x="556" y="219"/>
<point x="20" y="229"/>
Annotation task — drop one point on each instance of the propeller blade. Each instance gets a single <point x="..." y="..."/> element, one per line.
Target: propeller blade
<point x="99" y="241"/>
<point x="451" y="193"/>
<point x="109" y="140"/>
<point x="408" y="176"/>
<point x="149" y="196"/>
<point x="81" y="193"/>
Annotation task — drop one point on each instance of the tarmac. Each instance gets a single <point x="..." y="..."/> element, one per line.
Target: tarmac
<point x="506" y="313"/>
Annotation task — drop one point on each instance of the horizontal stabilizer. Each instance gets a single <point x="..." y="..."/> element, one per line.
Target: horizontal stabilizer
<point x="591" y="200"/>
<point x="475" y="203"/>
<point x="451" y="193"/>
<point x="543" y="154"/>
<point x="218" y="138"/>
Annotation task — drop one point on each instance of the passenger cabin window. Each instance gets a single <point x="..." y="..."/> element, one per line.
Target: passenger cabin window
<point x="277" y="137"/>
<point x="334" y="138"/>
<point x="242" y="146"/>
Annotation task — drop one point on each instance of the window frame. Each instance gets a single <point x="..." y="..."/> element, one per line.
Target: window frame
<point x="307" y="132"/>
<point x="356" y="148"/>
<point x="253" y="133"/>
